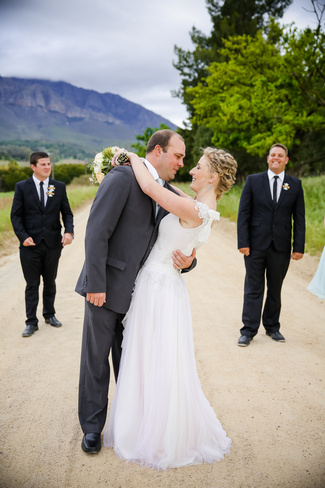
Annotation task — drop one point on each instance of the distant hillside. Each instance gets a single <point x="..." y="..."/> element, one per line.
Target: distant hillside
<point x="60" y="112"/>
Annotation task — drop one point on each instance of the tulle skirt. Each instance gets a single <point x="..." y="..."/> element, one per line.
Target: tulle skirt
<point x="160" y="417"/>
<point x="317" y="284"/>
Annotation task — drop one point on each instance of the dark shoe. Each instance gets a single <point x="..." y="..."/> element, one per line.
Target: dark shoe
<point x="244" y="341"/>
<point x="53" y="321"/>
<point x="276" y="336"/>
<point x="30" y="329"/>
<point x="91" y="443"/>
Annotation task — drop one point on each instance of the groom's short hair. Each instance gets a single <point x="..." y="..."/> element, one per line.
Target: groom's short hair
<point x="161" y="138"/>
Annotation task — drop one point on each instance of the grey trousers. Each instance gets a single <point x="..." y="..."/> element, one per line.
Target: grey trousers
<point x="102" y="333"/>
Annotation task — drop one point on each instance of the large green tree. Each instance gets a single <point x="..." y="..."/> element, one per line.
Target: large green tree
<point x="269" y="89"/>
<point x="229" y="18"/>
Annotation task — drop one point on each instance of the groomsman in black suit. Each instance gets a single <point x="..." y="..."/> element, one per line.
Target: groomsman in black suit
<point x="271" y="204"/>
<point x="35" y="215"/>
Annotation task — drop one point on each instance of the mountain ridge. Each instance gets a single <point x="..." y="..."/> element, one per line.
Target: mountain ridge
<point x="58" y="111"/>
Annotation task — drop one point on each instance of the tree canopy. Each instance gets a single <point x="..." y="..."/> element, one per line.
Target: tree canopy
<point x="265" y="92"/>
<point x="229" y="18"/>
<point x="252" y="83"/>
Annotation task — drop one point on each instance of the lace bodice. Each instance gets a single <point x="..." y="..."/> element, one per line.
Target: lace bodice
<point x="172" y="236"/>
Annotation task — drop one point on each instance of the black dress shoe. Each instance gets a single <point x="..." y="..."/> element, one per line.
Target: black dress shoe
<point x="276" y="336"/>
<point x="53" y="321"/>
<point x="30" y="329"/>
<point x="244" y="341"/>
<point x="91" y="443"/>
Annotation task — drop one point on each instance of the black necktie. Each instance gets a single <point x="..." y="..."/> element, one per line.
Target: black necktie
<point x="275" y="185"/>
<point x="42" y="193"/>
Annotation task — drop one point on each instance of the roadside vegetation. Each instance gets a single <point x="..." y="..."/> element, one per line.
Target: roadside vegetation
<point x="81" y="192"/>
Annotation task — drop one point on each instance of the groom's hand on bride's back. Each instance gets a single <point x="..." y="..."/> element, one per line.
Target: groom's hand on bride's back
<point x="181" y="261"/>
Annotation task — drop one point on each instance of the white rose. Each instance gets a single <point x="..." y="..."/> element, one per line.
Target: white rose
<point x="99" y="158"/>
<point x="98" y="162"/>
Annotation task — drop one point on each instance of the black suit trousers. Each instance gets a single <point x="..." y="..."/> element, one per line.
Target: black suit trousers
<point x="102" y="333"/>
<point x="271" y="265"/>
<point x="36" y="262"/>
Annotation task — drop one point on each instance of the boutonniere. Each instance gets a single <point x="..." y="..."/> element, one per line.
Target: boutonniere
<point x="51" y="191"/>
<point x="286" y="186"/>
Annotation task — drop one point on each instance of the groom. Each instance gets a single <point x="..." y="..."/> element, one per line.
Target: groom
<point x="121" y="230"/>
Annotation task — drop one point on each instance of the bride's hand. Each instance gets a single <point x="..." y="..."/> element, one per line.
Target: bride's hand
<point x="114" y="159"/>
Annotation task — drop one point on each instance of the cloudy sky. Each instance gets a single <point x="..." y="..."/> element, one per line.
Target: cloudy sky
<point x="124" y="47"/>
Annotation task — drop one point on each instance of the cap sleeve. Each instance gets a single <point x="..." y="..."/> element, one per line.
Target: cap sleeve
<point x="208" y="216"/>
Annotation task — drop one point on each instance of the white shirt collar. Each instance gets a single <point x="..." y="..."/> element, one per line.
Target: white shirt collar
<point x="271" y="175"/>
<point x="152" y="169"/>
<point x="37" y="181"/>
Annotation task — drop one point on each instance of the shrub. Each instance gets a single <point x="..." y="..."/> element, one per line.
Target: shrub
<point x="62" y="172"/>
<point x="9" y="177"/>
<point x="66" y="172"/>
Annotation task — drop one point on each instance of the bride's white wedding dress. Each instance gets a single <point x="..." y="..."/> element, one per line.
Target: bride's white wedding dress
<point x="160" y="417"/>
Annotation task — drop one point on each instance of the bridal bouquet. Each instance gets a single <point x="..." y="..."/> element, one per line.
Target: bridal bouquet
<point x="102" y="163"/>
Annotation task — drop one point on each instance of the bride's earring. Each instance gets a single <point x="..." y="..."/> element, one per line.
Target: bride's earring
<point x="209" y="185"/>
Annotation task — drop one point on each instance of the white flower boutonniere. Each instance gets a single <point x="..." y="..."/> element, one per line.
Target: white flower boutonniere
<point x="102" y="163"/>
<point x="51" y="191"/>
<point x="286" y="186"/>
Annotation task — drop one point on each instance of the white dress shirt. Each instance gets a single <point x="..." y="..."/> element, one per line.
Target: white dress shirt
<point x="152" y="169"/>
<point x="154" y="173"/>
<point x="45" y="188"/>
<point x="279" y="183"/>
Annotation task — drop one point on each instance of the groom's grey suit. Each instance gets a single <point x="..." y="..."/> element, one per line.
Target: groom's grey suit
<point x="121" y="231"/>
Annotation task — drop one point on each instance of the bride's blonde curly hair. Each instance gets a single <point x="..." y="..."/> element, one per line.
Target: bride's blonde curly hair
<point x="224" y="165"/>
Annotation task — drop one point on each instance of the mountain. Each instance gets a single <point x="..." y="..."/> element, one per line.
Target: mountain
<point x="60" y="112"/>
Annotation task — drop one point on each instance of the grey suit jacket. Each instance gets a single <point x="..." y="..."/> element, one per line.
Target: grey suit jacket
<point x="120" y="233"/>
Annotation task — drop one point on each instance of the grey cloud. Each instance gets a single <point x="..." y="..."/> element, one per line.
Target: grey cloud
<point x="124" y="47"/>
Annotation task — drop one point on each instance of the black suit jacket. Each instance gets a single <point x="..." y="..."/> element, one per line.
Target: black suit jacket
<point x="30" y="220"/>
<point x="260" y="221"/>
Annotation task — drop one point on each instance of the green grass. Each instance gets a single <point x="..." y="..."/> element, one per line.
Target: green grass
<point x="79" y="194"/>
<point x="314" y="191"/>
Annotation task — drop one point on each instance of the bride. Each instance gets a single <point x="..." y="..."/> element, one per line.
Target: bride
<point x="160" y="417"/>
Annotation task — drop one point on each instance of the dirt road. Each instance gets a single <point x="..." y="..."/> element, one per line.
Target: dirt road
<point x="269" y="397"/>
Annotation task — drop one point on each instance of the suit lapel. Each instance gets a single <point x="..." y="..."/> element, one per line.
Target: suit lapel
<point x="32" y="189"/>
<point x="283" y="192"/>
<point x="266" y="188"/>
<point x="49" y="199"/>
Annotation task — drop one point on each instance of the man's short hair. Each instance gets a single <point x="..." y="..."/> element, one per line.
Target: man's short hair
<point x="36" y="156"/>
<point x="161" y="138"/>
<point x="280" y="145"/>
